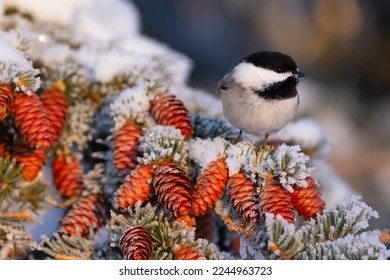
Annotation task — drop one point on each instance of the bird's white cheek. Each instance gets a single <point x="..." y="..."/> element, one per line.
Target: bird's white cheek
<point x="252" y="77"/>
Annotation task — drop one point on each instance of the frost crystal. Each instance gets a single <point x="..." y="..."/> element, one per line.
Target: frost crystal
<point x="131" y="103"/>
<point x="243" y="157"/>
<point x="77" y="131"/>
<point x="357" y="212"/>
<point x="164" y="142"/>
<point x="288" y="164"/>
<point x="238" y="156"/>
<point x="15" y="68"/>
<point x="204" y="151"/>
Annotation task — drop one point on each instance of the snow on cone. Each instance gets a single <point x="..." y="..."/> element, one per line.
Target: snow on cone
<point x="31" y="158"/>
<point x="68" y="175"/>
<point x="136" y="243"/>
<point x="242" y="194"/>
<point x="126" y="143"/>
<point x="136" y="187"/>
<point x="32" y="120"/>
<point x="173" y="188"/>
<point x="183" y="252"/>
<point x="54" y="100"/>
<point x="276" y="200"/>
<point x="86" y="214"/>
<point x="168" y="110"/>
<point x="6" y="100"/>
<point x="210" y="186"/>
<point x="307" y="200"/>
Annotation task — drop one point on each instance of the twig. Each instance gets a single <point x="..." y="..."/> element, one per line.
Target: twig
<point x="49" y="199"/>
<point x="238" y="228"/>
<point x="16" y="215"/>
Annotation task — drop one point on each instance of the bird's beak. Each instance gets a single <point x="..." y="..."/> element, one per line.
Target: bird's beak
<point x="300" y="74"/>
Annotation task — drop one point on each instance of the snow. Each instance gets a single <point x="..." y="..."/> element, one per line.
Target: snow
<point x="305" y="132"/>
<point x="131" y="103"/>
<point x="14" y="67"/>
<point x="204" y="151"/>
<point x="176" y="65"/>
<point x="288" y="164"/>
<point x="102" y="19"/>
<point x="164" y="142"/>
<point x="238" y="156"/>
<point x="108" y="64"/>
<point x="363" y="246"/>
<point x="357" y="212"/>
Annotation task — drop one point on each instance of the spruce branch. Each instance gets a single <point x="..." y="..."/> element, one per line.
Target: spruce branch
<point x="164" y="142"/>
<point x="15" y="243"/>
<point x="204" y="127"/>
<point x="63" y="247"/>
<point x="282" y="240"/>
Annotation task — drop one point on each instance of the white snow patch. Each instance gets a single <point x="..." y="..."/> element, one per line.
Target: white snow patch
<point x="204" y="151"/>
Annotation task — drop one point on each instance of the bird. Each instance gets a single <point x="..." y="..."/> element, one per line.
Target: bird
<point x="259" y="96"/>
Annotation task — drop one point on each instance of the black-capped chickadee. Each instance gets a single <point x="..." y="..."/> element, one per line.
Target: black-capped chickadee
<point x="259" y="95"/>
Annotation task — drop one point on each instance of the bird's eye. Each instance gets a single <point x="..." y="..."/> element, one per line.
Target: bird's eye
<point x="278" y="70"/>
<point x="223" y="87"/>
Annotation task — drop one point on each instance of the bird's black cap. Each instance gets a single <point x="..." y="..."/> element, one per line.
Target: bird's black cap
<point x="275" y="61"/>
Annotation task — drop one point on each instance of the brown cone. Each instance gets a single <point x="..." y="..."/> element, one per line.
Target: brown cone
<point x="6" y="100"/>
<point x="136" y="243"/>
<point x="126" y="143"/>
<point x="136" y="187"/>
<point x="242" y="195"/>
<point x="210" y="186"/>
<point x="183" y="252"/>
<point x="168" y="110"/>
<point x="31" y="158"/>
<point x="173" y="188"/>
<point x="307" y="201"/>
<point x="86" y="214"/>
<point x="68" y="175"/>
<point x="276" y="200"/>
<point x="32" y="120"/>
<point x="56" y="106"/>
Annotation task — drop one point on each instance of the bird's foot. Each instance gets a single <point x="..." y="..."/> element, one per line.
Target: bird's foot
<point x="238" y="139"/>
<point x="261" y="144"/>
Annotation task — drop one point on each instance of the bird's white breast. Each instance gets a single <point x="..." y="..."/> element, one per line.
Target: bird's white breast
<point x="256" y="115"/>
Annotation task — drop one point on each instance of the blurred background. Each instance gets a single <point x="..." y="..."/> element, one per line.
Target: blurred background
<point x="343" y="47"/>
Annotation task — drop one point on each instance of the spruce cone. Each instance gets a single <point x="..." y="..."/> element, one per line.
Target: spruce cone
<point x="183" y="252"/>
<point x="86" y="214"/>
<point x="307" y="201"/>
<point x="31" y="118"/>
<point x="68" y="175"/>
<point x="210" y="186"/>
<point x="276" y="200"/>
<point x="126" y="143"/>
<point x="31" y="158"/>
<point x="136" y="243"/>
<point x="168" y="110"/>
<point x="173" y="188"/>
<point x="54" y="100"/>
<point x="6" y="100"/>
<point x="243" y="194"/>
<point x="136" y="187"/>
